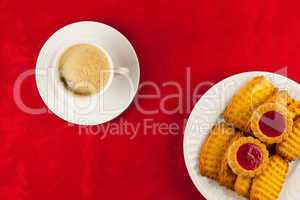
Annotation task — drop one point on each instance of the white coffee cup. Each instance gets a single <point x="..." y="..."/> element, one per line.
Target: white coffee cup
<point x="113" y="70"/>
<point x="83" y="104"/>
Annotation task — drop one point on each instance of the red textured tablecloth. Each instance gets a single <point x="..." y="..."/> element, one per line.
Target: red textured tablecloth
<point x="42" y="157"/>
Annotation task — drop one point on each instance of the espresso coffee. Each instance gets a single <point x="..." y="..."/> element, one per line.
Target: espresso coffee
<point x="84" y="69"/>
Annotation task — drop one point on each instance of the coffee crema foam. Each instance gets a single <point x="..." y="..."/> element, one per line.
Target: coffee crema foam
<point x="84" y="69"/>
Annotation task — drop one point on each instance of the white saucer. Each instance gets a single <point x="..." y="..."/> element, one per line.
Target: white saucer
<point x="207" y="112"/>
<point x="88" y="110"/>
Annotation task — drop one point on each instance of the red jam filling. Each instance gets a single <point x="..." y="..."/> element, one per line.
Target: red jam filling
<point x="249" y="156"/>
<point x="272" y="124"/>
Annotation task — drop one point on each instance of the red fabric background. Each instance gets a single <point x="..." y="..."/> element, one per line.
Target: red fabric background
<point x="41" y="157"/>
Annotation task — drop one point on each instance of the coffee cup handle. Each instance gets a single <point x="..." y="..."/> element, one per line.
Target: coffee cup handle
<point x="121" y="71"/>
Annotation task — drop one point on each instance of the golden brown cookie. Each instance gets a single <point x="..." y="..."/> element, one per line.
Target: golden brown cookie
<point x="271" y="123"/>
<point x="290" y="147"/>
<point x="295" y="108"/>
<point x="267" y="186"/>
<point x="226" y="176"/>
<point x="283" y="98"/>
<point x="247" y="156"/>
<point x="212" y="151"/>
<point x="252" y="94"/>
<point x="242" y="186"/>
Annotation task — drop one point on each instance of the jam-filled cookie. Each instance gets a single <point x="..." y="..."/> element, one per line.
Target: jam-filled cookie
<point x="271" y="123"/>
<point x="252" y="94"/>
<point x="212" y="151"/>
<point x="267" y="186"/>
<point x="247" y="156"/>
<point x="289" y="148"/>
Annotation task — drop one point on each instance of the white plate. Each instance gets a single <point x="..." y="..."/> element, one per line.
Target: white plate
<point x="88" y="110"/>
<point x="207" y="112"/>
